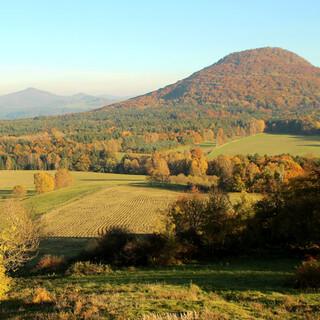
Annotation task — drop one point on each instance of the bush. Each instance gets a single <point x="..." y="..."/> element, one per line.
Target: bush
<point x="88" y="268"/>
<point x="161" y="250"/>
<point x="19" y="191"/>
<point x="4" y="281"/>
<point x="118" y="247"/>
<point x="308" y="274"/>
<point x="49" y="263"/>
<point x="42" y="296"/>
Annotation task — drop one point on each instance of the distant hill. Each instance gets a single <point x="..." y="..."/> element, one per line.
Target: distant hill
<point x="33" y="102"/>
<point x="264" y="78"/>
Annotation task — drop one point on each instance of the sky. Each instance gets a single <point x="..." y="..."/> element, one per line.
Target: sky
<point x="127" y="47"/>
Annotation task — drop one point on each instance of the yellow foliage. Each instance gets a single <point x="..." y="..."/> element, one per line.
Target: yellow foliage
<point x="44" y="182"/>
<point x="4" y="280"/>
<point x="42" y="296"/>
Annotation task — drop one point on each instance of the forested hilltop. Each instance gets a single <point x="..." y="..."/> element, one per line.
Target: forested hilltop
<point x="264" y="78"/>
<point x="245" y="93"/>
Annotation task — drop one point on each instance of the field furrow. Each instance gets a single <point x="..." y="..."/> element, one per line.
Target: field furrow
<point x="137" y="209"/>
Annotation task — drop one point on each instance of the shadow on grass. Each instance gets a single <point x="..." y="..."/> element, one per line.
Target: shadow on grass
<point x="160" y="186"/>
<point x="5" y="194"/>
<point x="309" y="145"/>
<point x="239" y="274"/>
<point x="110" y="180"/>
<point x="208" y="280"/>
<point x="13" y="308"/>
<point x="263" y="274"/>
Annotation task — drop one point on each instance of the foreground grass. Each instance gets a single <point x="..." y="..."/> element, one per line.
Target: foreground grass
<point x="234" y="289"/>
<point x="270" y="144"/>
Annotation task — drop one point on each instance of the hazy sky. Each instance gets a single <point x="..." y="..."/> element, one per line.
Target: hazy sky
<point x="127" y="47"/>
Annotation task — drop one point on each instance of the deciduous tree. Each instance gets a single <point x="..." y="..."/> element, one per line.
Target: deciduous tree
<point x="44" y="182"/>
<point x="63" y="178"/>
<point x="19" y="236"/>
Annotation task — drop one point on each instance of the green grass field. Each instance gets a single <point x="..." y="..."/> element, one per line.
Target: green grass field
<point x="95" y="202"/>
<point x="230" y="289"/>
<point x="271" y="144"/>
<point x="85" y="183"/>
<point x="242" y="288"/>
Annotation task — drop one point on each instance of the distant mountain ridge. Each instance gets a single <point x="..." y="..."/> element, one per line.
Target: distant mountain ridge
<point x="261" y="78"/>
<point x="34" y="102"/>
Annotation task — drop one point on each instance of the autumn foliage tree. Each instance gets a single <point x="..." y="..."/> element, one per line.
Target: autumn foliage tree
<point x="198" y="164"/>
<point x="83" y="163"/>
<point x="63" y="178"/>
<point x="44" y="182"/>
<point x="159" y="170"/>
<point x="19" y="236"/>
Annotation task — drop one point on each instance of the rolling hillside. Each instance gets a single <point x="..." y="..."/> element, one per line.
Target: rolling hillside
<point x="259" y="78"/>
<point x="34" y="102"/>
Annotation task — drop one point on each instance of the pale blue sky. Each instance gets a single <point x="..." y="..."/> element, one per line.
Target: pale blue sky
<point x="128" y="47"/>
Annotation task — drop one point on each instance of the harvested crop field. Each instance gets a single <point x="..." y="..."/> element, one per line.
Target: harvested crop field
<point x="136" y="208"/>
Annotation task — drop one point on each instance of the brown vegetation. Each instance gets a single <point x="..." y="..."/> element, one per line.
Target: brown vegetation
<point x="265" y="77"/>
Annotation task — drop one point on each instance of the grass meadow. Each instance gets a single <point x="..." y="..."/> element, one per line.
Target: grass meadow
<point x="96" y="202"/>
<point x="238" y="288"/>
<point x="230" y="289"/>
<point x="270" y="144"/>
<point x="85" y="183"/>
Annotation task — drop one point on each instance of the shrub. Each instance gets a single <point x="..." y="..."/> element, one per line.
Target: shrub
<point x="42" y="296"/>
<point x="117" y="247"/>
<point x="121" y="248"/>
<point x="19" y="191"/>
<point x="49" y="263"/>
<point x="308" y="274"/>
<point x="88" y="268"/>
<point x="161" y="250"/>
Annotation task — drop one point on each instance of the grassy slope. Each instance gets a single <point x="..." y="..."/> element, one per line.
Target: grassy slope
<point x="237" y="289"/>
<point x="85" y="183"/>
<point x="94" y="202"/>
<point x="132" y="207"/>
<point x="271" y="144"/>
